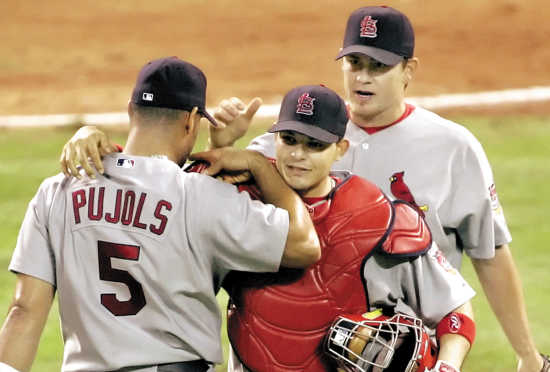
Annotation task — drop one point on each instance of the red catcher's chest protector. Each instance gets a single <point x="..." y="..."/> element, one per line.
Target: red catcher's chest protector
<point x="277" y="322"/>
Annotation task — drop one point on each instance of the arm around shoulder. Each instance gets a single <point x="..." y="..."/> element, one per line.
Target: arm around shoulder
<point x="302" y="246"/>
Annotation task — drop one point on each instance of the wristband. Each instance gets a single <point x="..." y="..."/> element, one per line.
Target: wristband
<point x="119" y="147"/>
<point x="457" y="323"/>
<point x="442" y="366"/>
<point x="6" y="368"/>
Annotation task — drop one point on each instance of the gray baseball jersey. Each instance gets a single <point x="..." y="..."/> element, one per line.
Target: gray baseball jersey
<point x="137" y="257"/>
<point x="428" y="287"/>
<point x="437" y="165"/>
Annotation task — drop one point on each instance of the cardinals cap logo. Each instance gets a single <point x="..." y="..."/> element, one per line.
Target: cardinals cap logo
<point x="305" y="104"/>
<point x="368" y="27"/>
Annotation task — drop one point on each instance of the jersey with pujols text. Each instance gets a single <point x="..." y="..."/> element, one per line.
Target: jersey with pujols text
<point x="137" y="257"/>
<point x="439" y="167"/>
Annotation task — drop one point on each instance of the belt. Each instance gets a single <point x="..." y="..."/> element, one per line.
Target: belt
<point x="190" y="366"/>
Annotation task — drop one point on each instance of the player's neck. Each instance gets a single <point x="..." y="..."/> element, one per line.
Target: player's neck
<point x="380" y="119"/>
<point x="320" y="190"/>
<point x="148" y="152"/>
<point x="142" y="143"/>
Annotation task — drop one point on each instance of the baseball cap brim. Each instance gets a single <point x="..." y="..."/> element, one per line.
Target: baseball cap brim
<point x="308" y="130"/>
<point x="381" y="55"/>
<point x="209" y="117"/>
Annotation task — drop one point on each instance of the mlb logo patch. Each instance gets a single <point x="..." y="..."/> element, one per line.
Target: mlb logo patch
<point x="125" y="163"/>
<point x="147" y="96"/>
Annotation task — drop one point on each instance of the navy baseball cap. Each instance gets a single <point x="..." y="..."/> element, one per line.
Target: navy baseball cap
<point x="380" y="32"/>
<point x="172" y="83"/>
<point x="313" y="110"/>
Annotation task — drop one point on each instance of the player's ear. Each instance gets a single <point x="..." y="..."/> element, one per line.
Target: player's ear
<point x="130" y="109"/>
<point x="193" y="121"/>
<point x="342" y="146"/>
<point x="410" y="67"/>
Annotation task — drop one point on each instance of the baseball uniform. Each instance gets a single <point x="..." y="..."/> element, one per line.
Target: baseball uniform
<point x="436" y="165"/>
<point x="137" y="257"/>
<point x="375" y="254"/>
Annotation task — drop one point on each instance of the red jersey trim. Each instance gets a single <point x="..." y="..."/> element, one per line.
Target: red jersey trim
<point x="408" y="110"/>
<point x="316" y="199"/>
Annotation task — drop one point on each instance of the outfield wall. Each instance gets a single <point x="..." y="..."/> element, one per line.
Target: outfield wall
<point x="439" y="102"/>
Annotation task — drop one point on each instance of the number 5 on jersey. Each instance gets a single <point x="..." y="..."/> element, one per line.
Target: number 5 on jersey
<point x="105" y="251"/>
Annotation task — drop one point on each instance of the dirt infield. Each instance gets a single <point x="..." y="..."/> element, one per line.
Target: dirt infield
<point x="62" y="56"/>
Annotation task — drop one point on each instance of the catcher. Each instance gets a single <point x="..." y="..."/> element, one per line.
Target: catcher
<point x="376" y="254"/>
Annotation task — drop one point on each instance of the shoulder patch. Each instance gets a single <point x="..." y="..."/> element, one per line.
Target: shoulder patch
<point x="410" y="235"/>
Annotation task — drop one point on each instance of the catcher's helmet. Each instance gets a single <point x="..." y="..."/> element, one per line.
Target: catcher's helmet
<point x="373" y="342"/>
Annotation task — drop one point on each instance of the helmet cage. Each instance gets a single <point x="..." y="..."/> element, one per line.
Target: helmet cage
<point x="381" y="337"/>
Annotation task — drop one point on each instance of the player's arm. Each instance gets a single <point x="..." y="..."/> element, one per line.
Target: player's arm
<point x="502" y="286"/>
<point x="302" y="246"/>
<point x="455" y="334"/>
<point x="432" y="287"/>
<point x="236" y="117"/>
<point x="481" y="223"/>
<point x="86" y="147"/>
<point x="27" y="315"/>
<point x="438" y="294"/>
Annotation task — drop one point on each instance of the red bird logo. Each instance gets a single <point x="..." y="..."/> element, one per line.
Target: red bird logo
<point x="400" y="190"/>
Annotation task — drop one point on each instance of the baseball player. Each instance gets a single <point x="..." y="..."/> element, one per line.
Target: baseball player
<point x="411" y="154"/>
<point x="415" y="155"/>
<point x="138" y="254"/>
<point x="375" y="254"/>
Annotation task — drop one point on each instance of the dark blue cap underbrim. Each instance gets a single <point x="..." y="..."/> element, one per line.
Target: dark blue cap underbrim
<point x="381" y="55"/>
<point x="209" y="117"/>
<point x="306" y="129"/>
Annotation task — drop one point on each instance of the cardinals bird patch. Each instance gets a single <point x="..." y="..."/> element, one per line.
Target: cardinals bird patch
<point x="401" y="191"/>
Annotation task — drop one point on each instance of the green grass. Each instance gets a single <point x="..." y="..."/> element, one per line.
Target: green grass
<point x="516" y="146"/>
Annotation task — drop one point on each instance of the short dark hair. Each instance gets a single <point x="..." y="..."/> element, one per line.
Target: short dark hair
<point x="153" y="114"/>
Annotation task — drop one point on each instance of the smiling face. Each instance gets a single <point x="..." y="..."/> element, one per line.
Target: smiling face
<point x="304" y="162"/>
<point x="375" y="91"/>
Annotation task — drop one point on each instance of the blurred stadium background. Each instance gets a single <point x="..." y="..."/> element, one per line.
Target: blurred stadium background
<point x="60" y="57"/>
